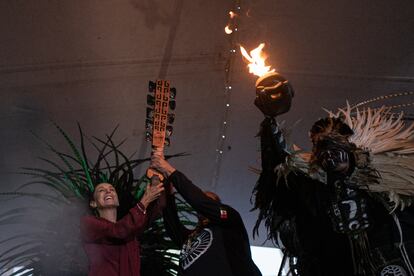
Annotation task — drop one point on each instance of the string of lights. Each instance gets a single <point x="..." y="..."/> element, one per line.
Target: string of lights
<point x="230" y="30"/>
<point x="386" y="97"/>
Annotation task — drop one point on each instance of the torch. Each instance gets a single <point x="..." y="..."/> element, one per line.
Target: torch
<point x="273" y="92"/>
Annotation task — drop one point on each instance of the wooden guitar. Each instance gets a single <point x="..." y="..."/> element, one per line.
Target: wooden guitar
<point x="160" y="100"/>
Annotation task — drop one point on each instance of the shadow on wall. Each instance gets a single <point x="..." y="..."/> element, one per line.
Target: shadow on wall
<point x="154" y="12"/>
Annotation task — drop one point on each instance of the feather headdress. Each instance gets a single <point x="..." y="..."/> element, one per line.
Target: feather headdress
<point x="390" y="143"/>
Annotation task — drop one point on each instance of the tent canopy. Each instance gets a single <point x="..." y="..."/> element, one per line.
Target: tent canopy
<point x="90" y="61"/>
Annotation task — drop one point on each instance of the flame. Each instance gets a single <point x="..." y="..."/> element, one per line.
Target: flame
<point x="232" y="14"/>
<point x="256" y="61"/>
<point x="227" y="30"/>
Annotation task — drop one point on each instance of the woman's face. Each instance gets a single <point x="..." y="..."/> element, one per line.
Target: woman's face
<point x="104" y="196"/>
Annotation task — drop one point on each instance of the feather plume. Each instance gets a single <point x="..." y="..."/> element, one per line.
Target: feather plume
<point x="391" y="145"/>
<point x="378" y="130"/>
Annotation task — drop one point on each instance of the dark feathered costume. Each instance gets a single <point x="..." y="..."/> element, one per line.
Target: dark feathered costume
<point x="324" y="218"/>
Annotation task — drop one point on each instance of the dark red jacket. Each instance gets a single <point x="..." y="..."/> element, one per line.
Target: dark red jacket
<point x="113" y="248"/>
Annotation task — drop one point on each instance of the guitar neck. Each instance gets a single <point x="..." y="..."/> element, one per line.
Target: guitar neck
<point x="158" y="118"/>
<point x="162" y="97"/>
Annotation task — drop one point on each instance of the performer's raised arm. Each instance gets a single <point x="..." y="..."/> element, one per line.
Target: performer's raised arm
<point x="273" y="98"/>
<point x="207" y="204"/>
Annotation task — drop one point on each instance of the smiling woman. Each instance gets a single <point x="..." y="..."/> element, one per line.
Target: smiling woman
<point x="112" y="245"/>
<point x="105" y="198"/>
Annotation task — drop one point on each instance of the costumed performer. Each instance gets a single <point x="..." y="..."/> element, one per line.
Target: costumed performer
<point x="219" y="245"/>
<point x="343" y="209"/>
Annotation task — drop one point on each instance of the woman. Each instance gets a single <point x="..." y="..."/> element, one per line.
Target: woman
<point x="112" y="245"/>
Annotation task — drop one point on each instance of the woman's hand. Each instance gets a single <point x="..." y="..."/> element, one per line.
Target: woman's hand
<point x="160" y="164"/>
<point x="151" y="194"/>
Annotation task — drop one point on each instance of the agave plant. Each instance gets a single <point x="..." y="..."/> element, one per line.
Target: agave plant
<point x="50" y="248"/>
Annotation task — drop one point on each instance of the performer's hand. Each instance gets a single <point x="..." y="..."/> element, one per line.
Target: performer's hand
<point x="160" y="164"/>
<point x="151" y="194"/>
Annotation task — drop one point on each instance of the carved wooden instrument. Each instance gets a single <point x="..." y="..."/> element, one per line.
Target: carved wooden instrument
<point x="160" y="100"/>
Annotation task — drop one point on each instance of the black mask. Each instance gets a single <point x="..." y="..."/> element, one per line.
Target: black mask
<point x="334" y="160"/>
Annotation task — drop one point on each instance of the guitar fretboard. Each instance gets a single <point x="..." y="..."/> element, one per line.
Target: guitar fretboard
<point x="162" y="96"/>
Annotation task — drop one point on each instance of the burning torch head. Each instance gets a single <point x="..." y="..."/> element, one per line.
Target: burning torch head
<point x="273" y="94"/>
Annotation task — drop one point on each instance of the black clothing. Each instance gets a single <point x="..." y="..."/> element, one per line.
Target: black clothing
<point x="220" y="248"/>
<point x="312" y="221"/>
